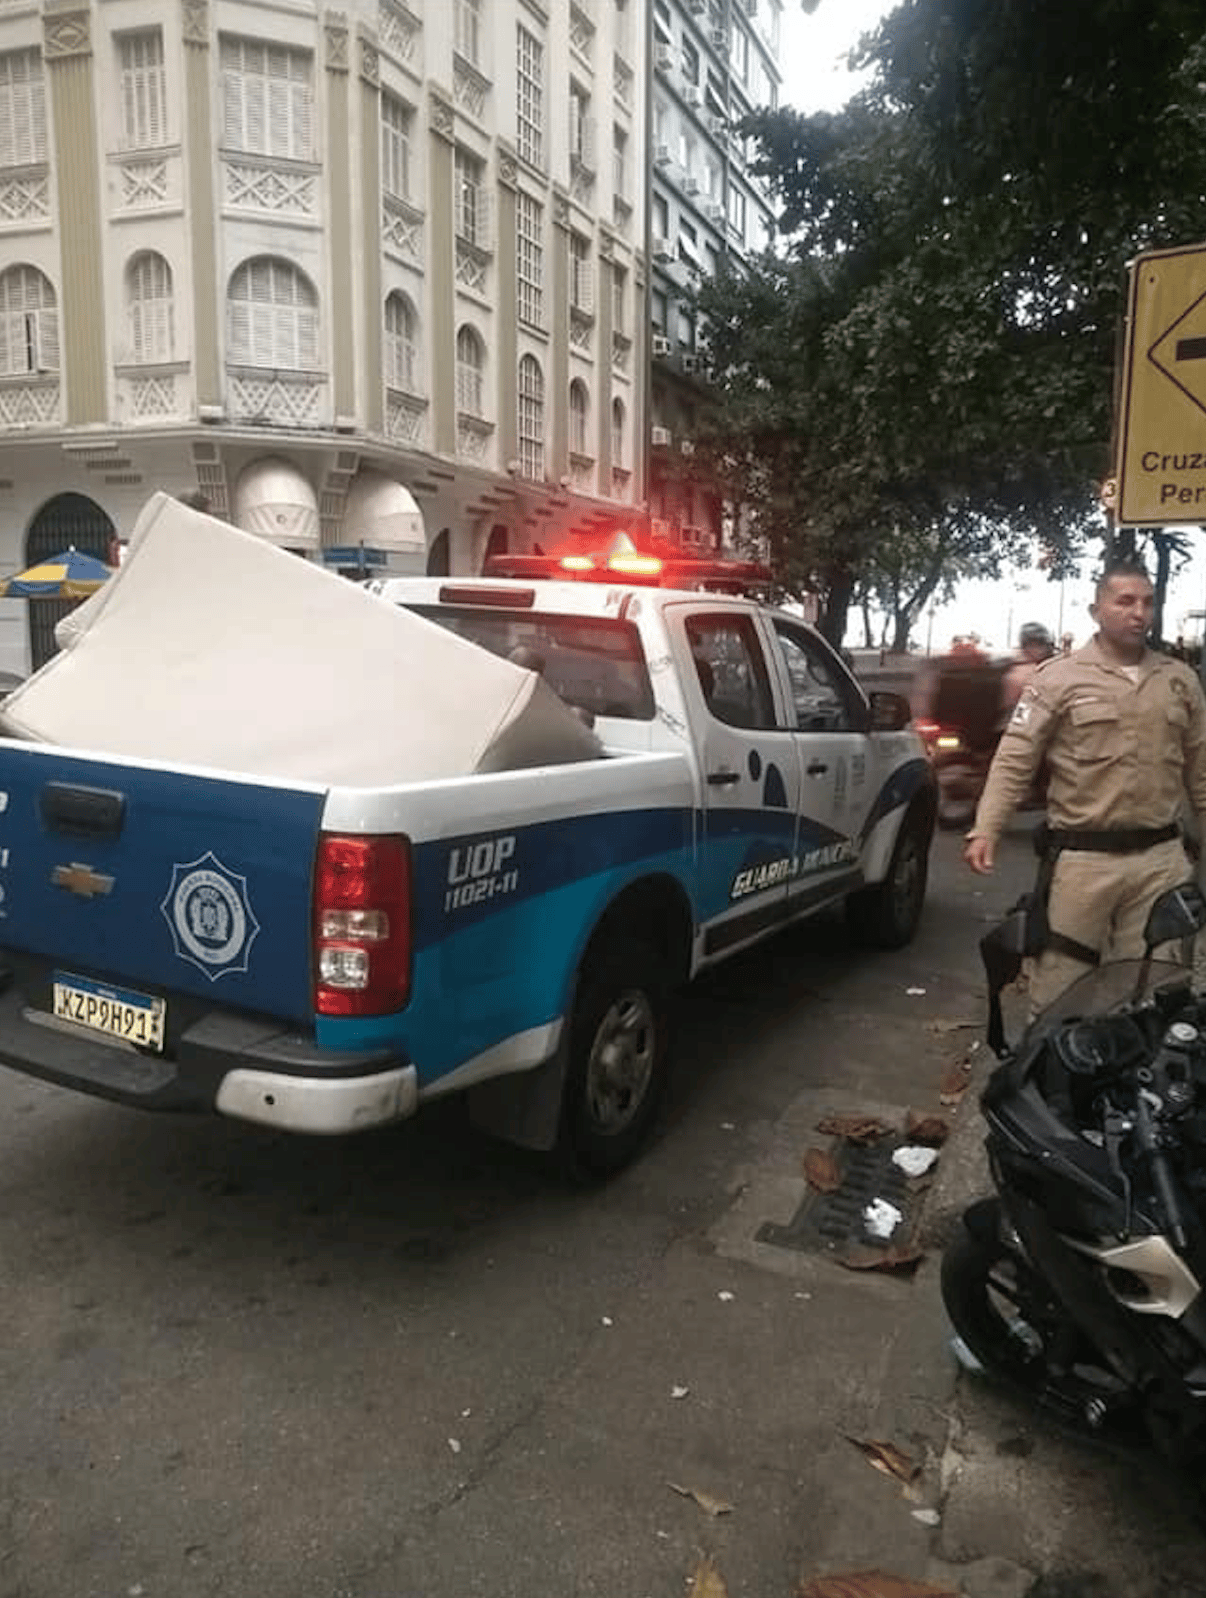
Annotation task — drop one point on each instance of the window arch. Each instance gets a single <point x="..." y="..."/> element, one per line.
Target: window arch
<point x="470" y="371"/>
<point x="531" y="418"/>
<point x="579" y="406"/>
<point x="149" y="303"/>
<point x="617" y="432"/>
<point x="401" y="343"/>
<point x="29" y="323"/>
<point x="272" y="316"/>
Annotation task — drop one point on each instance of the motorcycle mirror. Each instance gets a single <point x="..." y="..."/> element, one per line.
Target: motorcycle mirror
<point x="1179" y="913"/>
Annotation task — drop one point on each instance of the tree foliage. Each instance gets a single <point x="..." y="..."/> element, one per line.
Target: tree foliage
<point x="926" y="375"/>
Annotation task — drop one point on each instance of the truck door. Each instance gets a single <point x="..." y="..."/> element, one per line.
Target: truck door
<point x="830" y="717"/>
<point x="749" y="774"/>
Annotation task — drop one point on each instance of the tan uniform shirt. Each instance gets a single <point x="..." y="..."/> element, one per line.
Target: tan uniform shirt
<point x="1120" y="754"/>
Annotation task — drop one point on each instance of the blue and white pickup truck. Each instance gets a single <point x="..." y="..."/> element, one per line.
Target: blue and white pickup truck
<point x="325" y="958"/>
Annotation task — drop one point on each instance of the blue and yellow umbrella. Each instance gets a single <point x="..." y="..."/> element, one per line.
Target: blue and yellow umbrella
<point x="71" y="575"/>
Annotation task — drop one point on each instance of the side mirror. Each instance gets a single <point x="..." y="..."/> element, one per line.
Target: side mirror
<point x="1179" y="913"/>
<point x="889" y="712"/>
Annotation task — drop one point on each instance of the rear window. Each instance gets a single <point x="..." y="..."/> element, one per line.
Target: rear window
<point x="593" y="662"/>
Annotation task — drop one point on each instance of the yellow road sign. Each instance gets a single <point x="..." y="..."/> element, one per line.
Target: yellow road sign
<point x="1162" y="437"/>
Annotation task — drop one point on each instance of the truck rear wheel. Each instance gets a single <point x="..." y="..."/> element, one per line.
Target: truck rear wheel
<point x="616" y="1067"/>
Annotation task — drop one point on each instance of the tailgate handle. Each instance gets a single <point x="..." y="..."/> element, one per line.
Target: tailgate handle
<point x="82" y="812"/>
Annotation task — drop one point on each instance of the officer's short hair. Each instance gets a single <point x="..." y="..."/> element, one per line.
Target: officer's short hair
<point x="1120" y="568"/>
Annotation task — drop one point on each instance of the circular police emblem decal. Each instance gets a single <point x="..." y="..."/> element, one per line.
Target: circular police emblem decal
<point x="209" y="913"/>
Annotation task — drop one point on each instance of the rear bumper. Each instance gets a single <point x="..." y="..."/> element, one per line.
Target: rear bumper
<point x="235" y="1065"/>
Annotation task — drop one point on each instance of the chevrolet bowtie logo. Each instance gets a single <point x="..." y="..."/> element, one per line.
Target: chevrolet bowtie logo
<point x="77" y="878"/>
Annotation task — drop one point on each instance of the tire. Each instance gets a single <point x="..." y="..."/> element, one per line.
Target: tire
<point x="886" y="916"/>
<point x="616" y="1067"/>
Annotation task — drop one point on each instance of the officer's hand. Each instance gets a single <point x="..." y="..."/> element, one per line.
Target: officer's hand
<point x="980" y="855"/>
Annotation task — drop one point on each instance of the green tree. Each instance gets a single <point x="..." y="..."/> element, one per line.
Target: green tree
<point x="938" y="346"/>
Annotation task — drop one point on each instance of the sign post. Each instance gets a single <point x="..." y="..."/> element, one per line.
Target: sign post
<point x="1161" y="466"/>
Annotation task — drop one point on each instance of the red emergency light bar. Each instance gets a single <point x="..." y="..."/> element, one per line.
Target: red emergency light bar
<point x="630" y="566"/>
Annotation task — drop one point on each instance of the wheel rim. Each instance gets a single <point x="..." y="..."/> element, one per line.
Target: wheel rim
<point x="621" y="1064"/>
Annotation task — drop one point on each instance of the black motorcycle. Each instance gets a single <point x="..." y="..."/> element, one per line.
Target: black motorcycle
<point x="1080" y="1283"/>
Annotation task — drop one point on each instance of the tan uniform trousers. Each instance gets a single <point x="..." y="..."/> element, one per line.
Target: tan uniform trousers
<point x="1103" y="900"/>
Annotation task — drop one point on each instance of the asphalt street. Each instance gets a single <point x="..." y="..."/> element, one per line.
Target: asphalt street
<point x="413" y="1365"/>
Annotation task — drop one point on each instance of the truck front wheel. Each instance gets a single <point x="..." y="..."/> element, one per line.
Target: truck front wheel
<point x="616" y="1067"/>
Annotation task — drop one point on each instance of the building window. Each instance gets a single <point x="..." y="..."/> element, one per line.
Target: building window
<point x="529" y="228"/>
<point x="581" y="275"/>
<point x="267" y="100"/>
<point x="469" y="30"/>
<point x="619" y="293"/>
<point x="531" y="418"/>
<point x="400" y="351"/>
<point x="143" y="90"/>
<point x="149" y="299"/>
<point x="470" y="372"/>
<point x="29" y="323"/>
<point x="529" y="110"/>
<point x="737" y="211"/>
<point x="617" y="432"/>
<point x="619" y="163"/>
<point x="397" y="124"/>
<point x="578" y="407"/>
<point x="22" y="109"/>
<point x="272" y="316"/>
<point x="471" y="200"/>
<point x="581" y="130"/>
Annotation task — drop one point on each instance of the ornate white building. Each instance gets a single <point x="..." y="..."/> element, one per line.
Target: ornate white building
<point x="327" y="267"/>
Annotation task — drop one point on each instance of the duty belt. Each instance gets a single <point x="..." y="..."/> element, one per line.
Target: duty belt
<point x="1122" y="842"/>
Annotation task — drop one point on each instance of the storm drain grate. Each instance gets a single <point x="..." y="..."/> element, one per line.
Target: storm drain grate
<point x="826" y="1221"/>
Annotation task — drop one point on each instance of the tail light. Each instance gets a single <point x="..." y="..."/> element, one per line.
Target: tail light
<point x="361" y="925"/>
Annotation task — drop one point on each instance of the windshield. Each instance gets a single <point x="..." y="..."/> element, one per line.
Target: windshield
<point x="591" y="661"/>
<point x="1108" y="988"/>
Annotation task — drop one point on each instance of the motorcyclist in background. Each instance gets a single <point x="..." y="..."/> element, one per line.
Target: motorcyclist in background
<point x="1035" y="644"/>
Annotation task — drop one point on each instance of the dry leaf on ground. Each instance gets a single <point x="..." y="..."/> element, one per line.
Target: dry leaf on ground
<point x="709" y="1505"/>
<point x="932" y="1130"/>
<point x="955" y="1083"/>
<point x="871" y="1584"/>
<point x="855" y="1128"/>
<point x="821" y="1171"/>
<point x="706" y="1581"/>
<point x="886" y="1457"/>
<point x="902" y="1257"/>
<point x="950" y="1026"/>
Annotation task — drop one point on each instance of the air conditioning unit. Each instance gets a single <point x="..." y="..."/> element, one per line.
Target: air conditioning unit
<point x="690" y="537"/>
<point x="660" y="437"/>
<point x="690" y="363"/>
<point x="661" y="155"/>
<point x="661" y="344"/>
<point x="663" y="250"/>
<point x="751" y="8"/>
<point x="697" y="7"/>
<point x="714" y="211"/>
<point x="663" y="57"/>
<point x="690" y="185"/>
<point x="687" y="447"/>
<point x="718" y="127"/>
<point x="658" y="528"/>
<point x="720" y="40"/>
<point x="692" y="95"/>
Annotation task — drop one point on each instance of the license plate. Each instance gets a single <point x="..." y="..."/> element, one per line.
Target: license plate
<point x="117" y="1012"/>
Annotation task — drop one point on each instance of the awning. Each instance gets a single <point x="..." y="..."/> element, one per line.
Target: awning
<point x="274" y="500"/>
<point x="381" y="514"/>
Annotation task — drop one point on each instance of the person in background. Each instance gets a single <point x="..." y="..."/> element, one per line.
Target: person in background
<point x="1123" y="731"/>
<point x="1036" y="645"/>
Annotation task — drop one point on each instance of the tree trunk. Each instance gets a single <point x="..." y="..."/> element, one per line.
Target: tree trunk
<point x="1160" y="584"/>
<point x="832" y="622"/>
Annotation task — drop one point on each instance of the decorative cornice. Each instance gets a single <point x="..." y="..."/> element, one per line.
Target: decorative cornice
<point x="508" y="166"/>
<point x="194" y="16"/>
<point x="441" y="114"/>
<point x="607" y="245"/>
<point x="561" y="208"/>
<point x="370" y="59"/>
<point x="66" y="30"/>
<point x="335" y="39"/>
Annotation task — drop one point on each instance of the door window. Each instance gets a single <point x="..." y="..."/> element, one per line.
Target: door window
<point x="732" y="670"/>
<point x="821" y="695"/>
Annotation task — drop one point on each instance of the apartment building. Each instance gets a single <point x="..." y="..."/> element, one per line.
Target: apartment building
<point x="713" y="61"/>
<point x="365" y="279"/>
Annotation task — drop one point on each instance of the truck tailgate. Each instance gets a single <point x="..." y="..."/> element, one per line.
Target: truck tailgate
<point x="164" y="881"/>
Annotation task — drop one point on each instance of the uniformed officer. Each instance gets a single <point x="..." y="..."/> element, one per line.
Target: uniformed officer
<point x="1123" y="731"/>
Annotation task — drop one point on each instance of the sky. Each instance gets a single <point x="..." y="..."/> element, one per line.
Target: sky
<point x="811" y="57"/>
